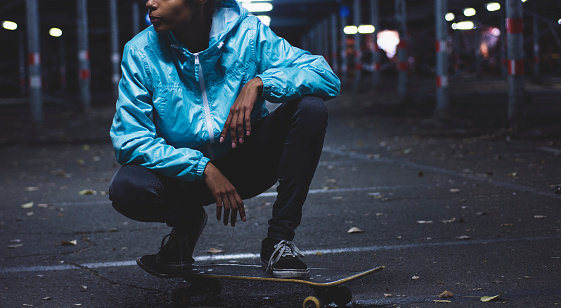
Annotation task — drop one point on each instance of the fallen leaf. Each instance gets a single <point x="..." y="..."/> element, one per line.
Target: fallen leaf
<point x="446" y="294"/>
<point x="47" y="298"/>
<point x="355" y="230"/>
<point x="319" y="253"/>
<point x="83" y="288"/>
<point x="69" y="243"/>
<point x="464" y="237"/>
<point x="27" y="205"/>
<point x="85" y="147"/>
<point x="451" y="220"/>
<point x="13" y="246"/>
<point x="539" y="216"/>
<point x="88" y="192"/>
<point x="215" y="250"/>
<point x="454" y="190"/>
<point x="388" y="295"/>
<point x="415" y="277"/>
<point x="43" y="205"/>
<point x="424" y="221"/>
<point x="490" y="298"/>
<point x="442" y="301"/>
<point x="32" y="188"/>
<point x="512" y="174"/>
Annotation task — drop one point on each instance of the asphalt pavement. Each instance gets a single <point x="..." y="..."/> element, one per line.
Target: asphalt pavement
<point x="463" y="206"/>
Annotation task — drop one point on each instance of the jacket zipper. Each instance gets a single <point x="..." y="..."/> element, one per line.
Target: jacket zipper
<point x="206" y="107"/>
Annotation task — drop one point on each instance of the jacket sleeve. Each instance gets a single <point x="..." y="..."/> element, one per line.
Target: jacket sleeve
<point x="133" y="133"/>
<point x="288" y="72"/>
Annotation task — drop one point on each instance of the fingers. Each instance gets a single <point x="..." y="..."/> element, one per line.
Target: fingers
<point x="232" y="205"/>
<point x="239" y="125"/>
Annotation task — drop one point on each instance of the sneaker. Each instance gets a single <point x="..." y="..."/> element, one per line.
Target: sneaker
<point x="282" y="259"/>
<point x="176" y="250"/>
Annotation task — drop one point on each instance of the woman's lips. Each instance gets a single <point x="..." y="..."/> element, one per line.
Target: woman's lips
<point x="155" y="20"/>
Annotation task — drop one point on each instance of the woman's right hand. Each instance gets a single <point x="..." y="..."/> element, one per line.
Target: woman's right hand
<point x="225" y="194"/>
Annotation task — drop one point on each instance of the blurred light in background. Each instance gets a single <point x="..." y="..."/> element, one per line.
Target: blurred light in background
<point x="350" y="30"/>
<point x="257" y="6"/>
<point x="493" y="6"/>
<point x="387" y="41"/>
<point x="266" y="20"/>
<point x="463" y="25"/>
<point x="468" y="12"/>
<point x="147" y="19"/>
<point x="365" y="29"/>
<point x="56" y="32"/>
<point x="449" y="16"/>
<point x="559" y="21"/>
<point x="9" y="25"/>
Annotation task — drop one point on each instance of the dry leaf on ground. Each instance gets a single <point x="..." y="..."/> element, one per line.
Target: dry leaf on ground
<point x="355" y="230"/>
<point x="88" y="192"/>
<point x="490" y="298"/>
<point x="215" y="250"/>
<point x="27" y="205"/>
<point x="446" y="294"/>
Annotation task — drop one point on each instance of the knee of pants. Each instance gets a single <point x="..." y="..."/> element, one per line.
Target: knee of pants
<point x="135" y="192"/>
<point x="313" y="111"/>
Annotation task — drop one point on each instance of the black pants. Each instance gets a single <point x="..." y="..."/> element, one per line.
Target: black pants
<point x="285" y="146"/>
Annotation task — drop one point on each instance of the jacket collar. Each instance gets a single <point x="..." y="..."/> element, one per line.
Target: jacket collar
<point x="228" y="14"/>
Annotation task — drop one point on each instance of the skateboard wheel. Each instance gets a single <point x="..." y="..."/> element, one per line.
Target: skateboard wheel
<point x="312" y="302"/>
<point x="342" y="296"/>
<point x="180" y="297"/>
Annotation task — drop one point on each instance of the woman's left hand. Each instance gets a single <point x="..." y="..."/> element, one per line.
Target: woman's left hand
<point x="239" y="117"/>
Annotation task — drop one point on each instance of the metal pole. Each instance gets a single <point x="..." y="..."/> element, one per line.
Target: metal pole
<point x="375" y="20"/>
<point x="504" y="60"/>
<point x="325" y="39"/>
<point x="34" y="61"/>
<point x="115" y="57"/>
<point x="22" y="72"/>
<point x="515" y="50"/>
<point x="334" y="62"/>
<point x="441" y="59"/>
<point x="344" y="70"/>
<point x="83" y="54"/>
<point x="135" y="18"/>
<point x="536" y="43"/>
<point x="402" y="67"/>
<point x="356" y="21"/>
<point x="62" y="68"/>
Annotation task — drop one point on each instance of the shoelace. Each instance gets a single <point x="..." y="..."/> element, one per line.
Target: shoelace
<point x="171" y="237"/>
<point x="283" y="249"/>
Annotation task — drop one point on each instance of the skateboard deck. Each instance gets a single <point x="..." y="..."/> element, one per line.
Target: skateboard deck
<point x="205" y="279"/>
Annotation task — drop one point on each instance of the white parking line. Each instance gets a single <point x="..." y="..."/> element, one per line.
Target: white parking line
<point x="246" y="256"/>
<point x="406" y="163"/>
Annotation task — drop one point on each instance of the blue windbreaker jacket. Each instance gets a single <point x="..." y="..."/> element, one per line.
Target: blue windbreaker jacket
<point x="173" y="104"/>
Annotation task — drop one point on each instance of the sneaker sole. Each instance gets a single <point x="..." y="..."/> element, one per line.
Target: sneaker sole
<point x="286" y="273"/>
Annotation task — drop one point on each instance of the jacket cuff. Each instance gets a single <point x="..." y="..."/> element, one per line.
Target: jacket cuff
<point x="201" y="166"/>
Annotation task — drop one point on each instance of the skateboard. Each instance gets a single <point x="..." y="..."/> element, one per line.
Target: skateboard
<point x="205" y="279"/>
